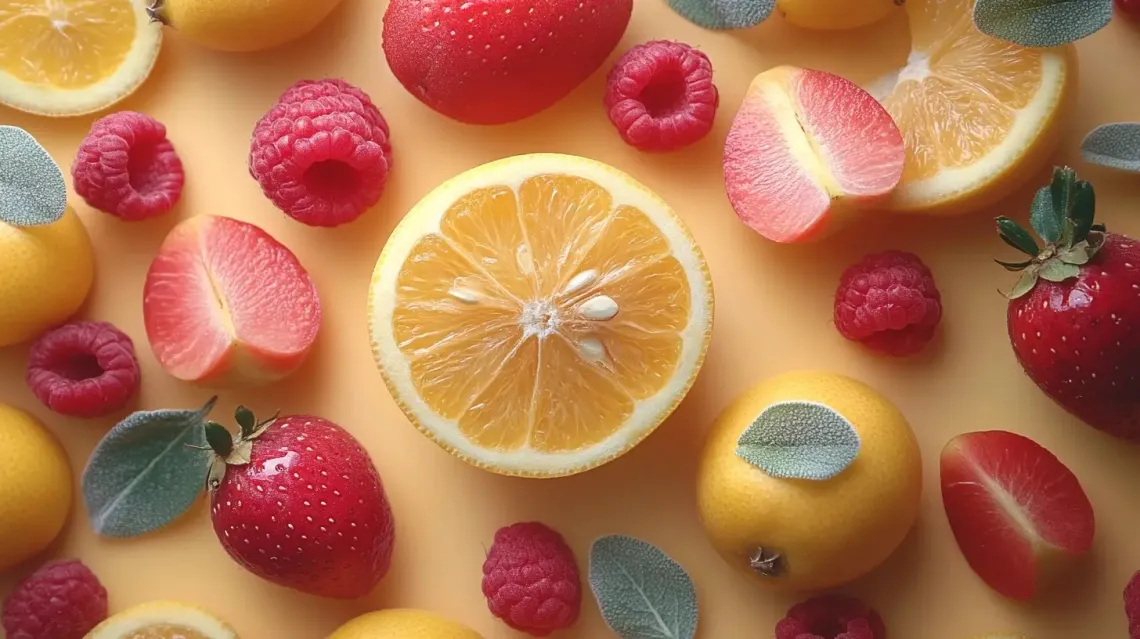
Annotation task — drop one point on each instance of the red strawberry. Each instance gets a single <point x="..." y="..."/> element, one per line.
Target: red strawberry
<point x="1073" y="314"/>
<point x="297" y="501"/>
<point x="497" y="61"/>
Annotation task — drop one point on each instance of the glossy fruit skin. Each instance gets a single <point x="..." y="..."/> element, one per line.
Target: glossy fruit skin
<point x="35" y="487"/>
<point x="1129" y="8"/>
<point x="498" y="61"/>
<point x="403" y="624"/>
<point x="308" y="511"/>
<point x="243" y="25"/>
<point x="831" y="531"/>
<point x="48" y="271"/>
<point x="1077" y="339"/>
<point x="831" y="15"/>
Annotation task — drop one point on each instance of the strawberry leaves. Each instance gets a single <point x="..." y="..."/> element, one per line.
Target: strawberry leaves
<point x="228" y="451"/>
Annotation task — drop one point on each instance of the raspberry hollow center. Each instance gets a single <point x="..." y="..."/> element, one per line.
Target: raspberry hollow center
<point x="79" y="367"/>
<point x="145" y="170"/>
<point x="331" y="179"/>
<point x="664" y="95"/>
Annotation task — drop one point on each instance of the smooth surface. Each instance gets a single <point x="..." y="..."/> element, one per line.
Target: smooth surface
<point x="774" y="314"/>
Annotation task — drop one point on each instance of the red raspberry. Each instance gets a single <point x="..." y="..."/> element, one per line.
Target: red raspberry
<point x="1132" y="606"/>
<point x="530" y="579"/>
<point x="83" y="369"/>
<point x="127" y="167"/>
<point x="322" y="154"/>
<point x="831" y="617"/>
<point x="660" y="96"/>
<point x="888" y="301"/>
<point x="61" y="600"/>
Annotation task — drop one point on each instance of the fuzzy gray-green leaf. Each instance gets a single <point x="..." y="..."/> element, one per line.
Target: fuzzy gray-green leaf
<point x="32" y="190"/>
<point x="724" y="14"/>
<point x="799" y="440"/>
<point x="144" y="474"/>
<point x="641" y="591"/>
<point x="1043" y="216"/>
<point x="1041" y="23"/>
<point x="1115" y="145"/>
<point x="1058" y="271"/>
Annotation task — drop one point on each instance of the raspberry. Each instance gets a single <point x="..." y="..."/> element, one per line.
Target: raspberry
<point x="660" y="96"/>
<point x="889" y="303"/>
<point x="1132" y="606"/>
<point x="127" y="167"/>
<point x="322" y="154"/>
<point x="83" y="369"/>
<point x="61" y="600"/>
<point x="831" y="617"/>
<point x="530" y="579"/>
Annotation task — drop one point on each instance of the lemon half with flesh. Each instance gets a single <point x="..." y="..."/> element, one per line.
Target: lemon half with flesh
<point x="163" y="620"/>
<point x="540" y="315"/>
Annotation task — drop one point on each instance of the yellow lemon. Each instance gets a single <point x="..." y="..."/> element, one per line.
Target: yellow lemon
<point x="71" y="57"/>
<point x="35" y="486"/>
<point x="242" y="25"/>
<point x="836" y="14"/>
<point x="540" y="315"/>
<point x="979" y="116"/>
<point x="403" y="624"/>
<point x="163" y="620"/>
<point x="802" y="533"/>
<point x="48" y="272"/>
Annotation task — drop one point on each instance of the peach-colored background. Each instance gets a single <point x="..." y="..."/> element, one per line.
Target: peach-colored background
<point x="774" y="314"/>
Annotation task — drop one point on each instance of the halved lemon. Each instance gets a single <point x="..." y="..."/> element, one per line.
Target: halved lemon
<point x="163" y="620"/>
<point x="72" y="57"/>
<point x="979" y="115"/>
<point x="540" y="315"/>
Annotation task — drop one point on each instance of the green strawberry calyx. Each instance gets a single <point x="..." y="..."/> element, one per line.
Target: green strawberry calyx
<point x="228" y="449"/>
<point x="1062" y="215"/>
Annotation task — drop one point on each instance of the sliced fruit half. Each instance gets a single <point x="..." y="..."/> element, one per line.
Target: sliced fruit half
<point x="163" y="620"/>
<point x="1018" y="514"/>
<point x="980" y="116"/>
<point x="226" y="304"/>
<point x="72" y="57"/>
<point x="805" y="147"/>
<point x="540" y="315"/>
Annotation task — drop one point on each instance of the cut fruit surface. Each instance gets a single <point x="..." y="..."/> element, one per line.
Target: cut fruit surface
<point x="1018" y="514"/>
<point x="805" y="146"/>
<point x="979" y="115"/>
<point x="163" y="620"/>
<point x="71" y="57"/>
<point x="540" y="315"/>
<point x="225" y="303"/>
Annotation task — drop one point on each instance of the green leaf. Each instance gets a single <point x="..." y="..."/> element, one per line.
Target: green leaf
<point x="220" y="440"/>
<point x="1024" y="284"/>
<point x="1043" y="215"/>
<point x="241" y="453"/>
<point x="799" y="440"/>
<point x="1078" y="254"/>
<point x="1012" y="234"/>
<point x="724" y="14"/>
<point x="1041" y="23"/>
<point x="1058" y="271"/>
<point x="246" y="420"/>
<point x="641" y="591"/>
<point x="1014" y="266"/>
<point x="1084" y="210"/>
<point x="32" y="190"/>
<point x="1116" y="146"/>
<point x="143" y="475"/>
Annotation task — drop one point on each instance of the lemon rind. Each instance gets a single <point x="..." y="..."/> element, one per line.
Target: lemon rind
<point x="137" y="618"/>
<point x="425" y="218"/>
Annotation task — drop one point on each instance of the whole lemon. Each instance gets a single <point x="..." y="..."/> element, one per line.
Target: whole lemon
<point x="403" y="624"/>
<point x="242" y="25"/>
<point x="48" y="272"/>
<point x="806" y="531"/>
<point x="836" y="14"/>
<point x="35" y="486"/>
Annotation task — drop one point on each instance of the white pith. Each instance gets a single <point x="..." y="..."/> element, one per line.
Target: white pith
<point x="425" y="218"/>
<point x="137" y="619"/>
<point x="55" y="101"/>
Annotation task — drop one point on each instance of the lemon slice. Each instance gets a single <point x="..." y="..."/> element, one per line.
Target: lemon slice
<point x="163" y="620"/>
<point x="979" y="115"/>
<point x="540" y="315"/>
<point x="71" y="57"/>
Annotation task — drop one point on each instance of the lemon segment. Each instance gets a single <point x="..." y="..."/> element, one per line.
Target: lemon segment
<point x="72" y="57"/>
<point x="540" y="315"/>
<point x="163" y="620"/>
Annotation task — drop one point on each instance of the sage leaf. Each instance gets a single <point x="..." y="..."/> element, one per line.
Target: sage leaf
<point x="799" y="440"/>
<point x="1041" y="23"/>
<point x="1116" y="146"/>
<point x="722" y="15"/>
<point x="32" y="190"/>
<point x="146" y="473"/>
<point x="641" y="591"/>
<point x="1058" y="271"/>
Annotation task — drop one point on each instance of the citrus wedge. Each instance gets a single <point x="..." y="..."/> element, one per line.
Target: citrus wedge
<point x="540" y="315"/>
<point x="163" y="620"/>
<point x="71" y="57"/>
<point x="979" y="116"/>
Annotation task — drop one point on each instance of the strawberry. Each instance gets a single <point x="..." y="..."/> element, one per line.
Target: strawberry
<point x="497" y="61"/>
<point x="297" y="501"/>
<point x="1073" y="314"/>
